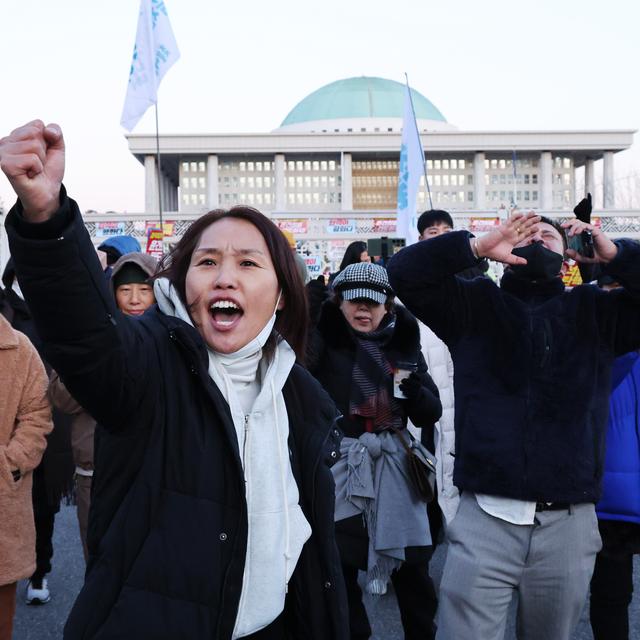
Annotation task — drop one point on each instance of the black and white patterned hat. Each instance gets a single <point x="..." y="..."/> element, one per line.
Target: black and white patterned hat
<point x="363" y="280"/>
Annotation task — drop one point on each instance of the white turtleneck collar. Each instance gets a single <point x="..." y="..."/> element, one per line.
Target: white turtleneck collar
<point x="235" y="373"/>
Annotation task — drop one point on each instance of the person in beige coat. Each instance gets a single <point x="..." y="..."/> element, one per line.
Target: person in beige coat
<point x="25" y="420"/>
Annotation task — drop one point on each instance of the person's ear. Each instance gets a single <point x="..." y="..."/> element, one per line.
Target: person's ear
<point x="280" y="305"/>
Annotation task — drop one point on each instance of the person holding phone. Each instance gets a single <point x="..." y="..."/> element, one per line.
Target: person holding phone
<point x="532" y="369"/>
<point x="361" y="343"/>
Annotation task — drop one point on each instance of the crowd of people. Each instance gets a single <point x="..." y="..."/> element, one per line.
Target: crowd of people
<point x="247" y="449"/>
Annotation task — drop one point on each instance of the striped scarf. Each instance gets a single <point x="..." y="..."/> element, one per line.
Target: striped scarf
<point x="372" y="383"/>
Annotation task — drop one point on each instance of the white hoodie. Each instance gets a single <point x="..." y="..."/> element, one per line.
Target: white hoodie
<point x="278" y="528"/>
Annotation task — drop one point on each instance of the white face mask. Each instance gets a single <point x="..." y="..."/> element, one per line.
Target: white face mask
<point x="259" y="341"/>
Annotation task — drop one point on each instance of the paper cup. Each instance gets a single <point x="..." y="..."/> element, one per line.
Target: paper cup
<point x="399" y="375"/>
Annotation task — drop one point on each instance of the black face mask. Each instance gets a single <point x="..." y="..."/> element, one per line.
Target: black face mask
<point x="542" y="263"/>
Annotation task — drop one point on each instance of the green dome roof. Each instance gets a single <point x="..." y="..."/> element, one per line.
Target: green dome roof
<point x="362" y="97"/>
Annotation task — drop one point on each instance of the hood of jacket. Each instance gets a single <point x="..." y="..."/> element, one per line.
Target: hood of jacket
<point x="122" y="244"/>
<point x="147" y="263"/>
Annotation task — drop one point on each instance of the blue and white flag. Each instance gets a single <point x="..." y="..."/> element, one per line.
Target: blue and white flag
<point x="154" y="53"/>
<point x="411" y="168"/>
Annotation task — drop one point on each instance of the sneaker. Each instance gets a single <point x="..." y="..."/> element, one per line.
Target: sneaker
<point x="38" y="591"/>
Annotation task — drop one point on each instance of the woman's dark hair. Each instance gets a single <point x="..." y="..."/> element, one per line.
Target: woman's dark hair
<point x="352" y="253"/>
<point x="291" y="320"/>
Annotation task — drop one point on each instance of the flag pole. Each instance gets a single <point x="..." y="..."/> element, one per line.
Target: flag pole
<point x="424" y="162"/>
<point x="159" y="167"/>
<point x="514" y="204"/>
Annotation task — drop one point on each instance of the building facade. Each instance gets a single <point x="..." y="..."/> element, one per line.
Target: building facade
<point x="329" y="173"/>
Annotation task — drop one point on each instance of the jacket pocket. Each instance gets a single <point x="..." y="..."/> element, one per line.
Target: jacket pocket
<point x="183" y="554"/>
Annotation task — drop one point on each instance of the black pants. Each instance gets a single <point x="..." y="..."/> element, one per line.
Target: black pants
<point x="416" y="597"/>
<point x="44" y="515"/>
<point x="611" y="592"/>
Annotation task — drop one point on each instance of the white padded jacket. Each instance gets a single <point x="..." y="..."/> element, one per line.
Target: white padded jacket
<point x="440" y="367"/>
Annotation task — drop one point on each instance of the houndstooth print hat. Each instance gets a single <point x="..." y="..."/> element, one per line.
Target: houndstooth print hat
<point x="363" y="280"/>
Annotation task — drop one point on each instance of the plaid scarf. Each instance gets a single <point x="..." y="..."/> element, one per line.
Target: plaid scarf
<point x="372" y="379"/>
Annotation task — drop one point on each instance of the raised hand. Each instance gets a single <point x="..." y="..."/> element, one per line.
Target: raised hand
<point x="497" y="244"/>
<point x="32" y="158"/>
<point x="604" y="250"/>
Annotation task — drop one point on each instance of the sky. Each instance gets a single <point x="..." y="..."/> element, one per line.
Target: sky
<point x="487" y="65"/>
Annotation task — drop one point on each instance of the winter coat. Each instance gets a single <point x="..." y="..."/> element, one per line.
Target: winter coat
<point x="332" y="356"/>
<point x="331" y="360"/>
<point x="621" y="482"/>
<point x="25" y="420"/>
<point x="532" y="367"/>
<point x="54" y="476"/>
<point x="440" y="367"/>
<point x="170" y="561"/>
<point x="83" y="426"/>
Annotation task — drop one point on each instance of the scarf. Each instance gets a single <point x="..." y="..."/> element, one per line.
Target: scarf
<point x="372" y="479"/>
<point x="372" y="379"/>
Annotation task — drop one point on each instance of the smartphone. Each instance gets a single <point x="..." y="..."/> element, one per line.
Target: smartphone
<point x="582" y="243"/>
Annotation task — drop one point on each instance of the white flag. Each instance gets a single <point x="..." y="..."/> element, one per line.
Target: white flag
<point x="411" y="168"/>
<point x="154" y="53"/>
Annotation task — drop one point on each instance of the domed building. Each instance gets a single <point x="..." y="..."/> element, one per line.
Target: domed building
<point x="361" y="104"/>
<point x="329" y="172"/>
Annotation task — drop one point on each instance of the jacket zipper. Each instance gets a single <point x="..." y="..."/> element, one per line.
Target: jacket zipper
<point x="245" y="445"/>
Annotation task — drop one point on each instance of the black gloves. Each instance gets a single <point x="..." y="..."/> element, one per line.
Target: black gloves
<point x="423" y="405"/>
<point x="411" y="386"/>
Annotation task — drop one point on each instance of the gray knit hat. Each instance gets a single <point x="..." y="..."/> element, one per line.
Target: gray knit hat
<point x="363" y="280"/>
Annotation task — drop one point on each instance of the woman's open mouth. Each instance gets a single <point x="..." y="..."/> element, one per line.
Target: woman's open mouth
<point x="225" y="314"/>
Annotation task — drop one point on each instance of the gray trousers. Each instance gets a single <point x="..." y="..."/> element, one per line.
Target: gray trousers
<point x="549" y="564"/>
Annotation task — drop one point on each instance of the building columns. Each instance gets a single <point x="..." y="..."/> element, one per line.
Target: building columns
<point x="546" y="181"/>
<point x="347" y="182"/>
<point x="589" y="178"/>
<point x="479" y="189"/>
<point x="150" y="185"/>
<point x="609" y="200"/>
<point x="212" y="182"/>
<point x="278" y="172"/>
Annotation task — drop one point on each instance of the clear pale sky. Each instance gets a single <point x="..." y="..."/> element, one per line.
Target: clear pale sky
<point x="492" y="64"/>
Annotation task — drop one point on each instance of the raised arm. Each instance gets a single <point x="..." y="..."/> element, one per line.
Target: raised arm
<point x="423" y="275"/>
<point x="619" y="309"/>
<point x="94" y="348"/>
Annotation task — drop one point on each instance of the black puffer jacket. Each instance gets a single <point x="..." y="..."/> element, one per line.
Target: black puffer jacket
<point x="170" y="562"/>
<point x="332" y="356"/>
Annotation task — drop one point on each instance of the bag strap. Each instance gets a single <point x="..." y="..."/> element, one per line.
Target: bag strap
<point x="407" y="447"/>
